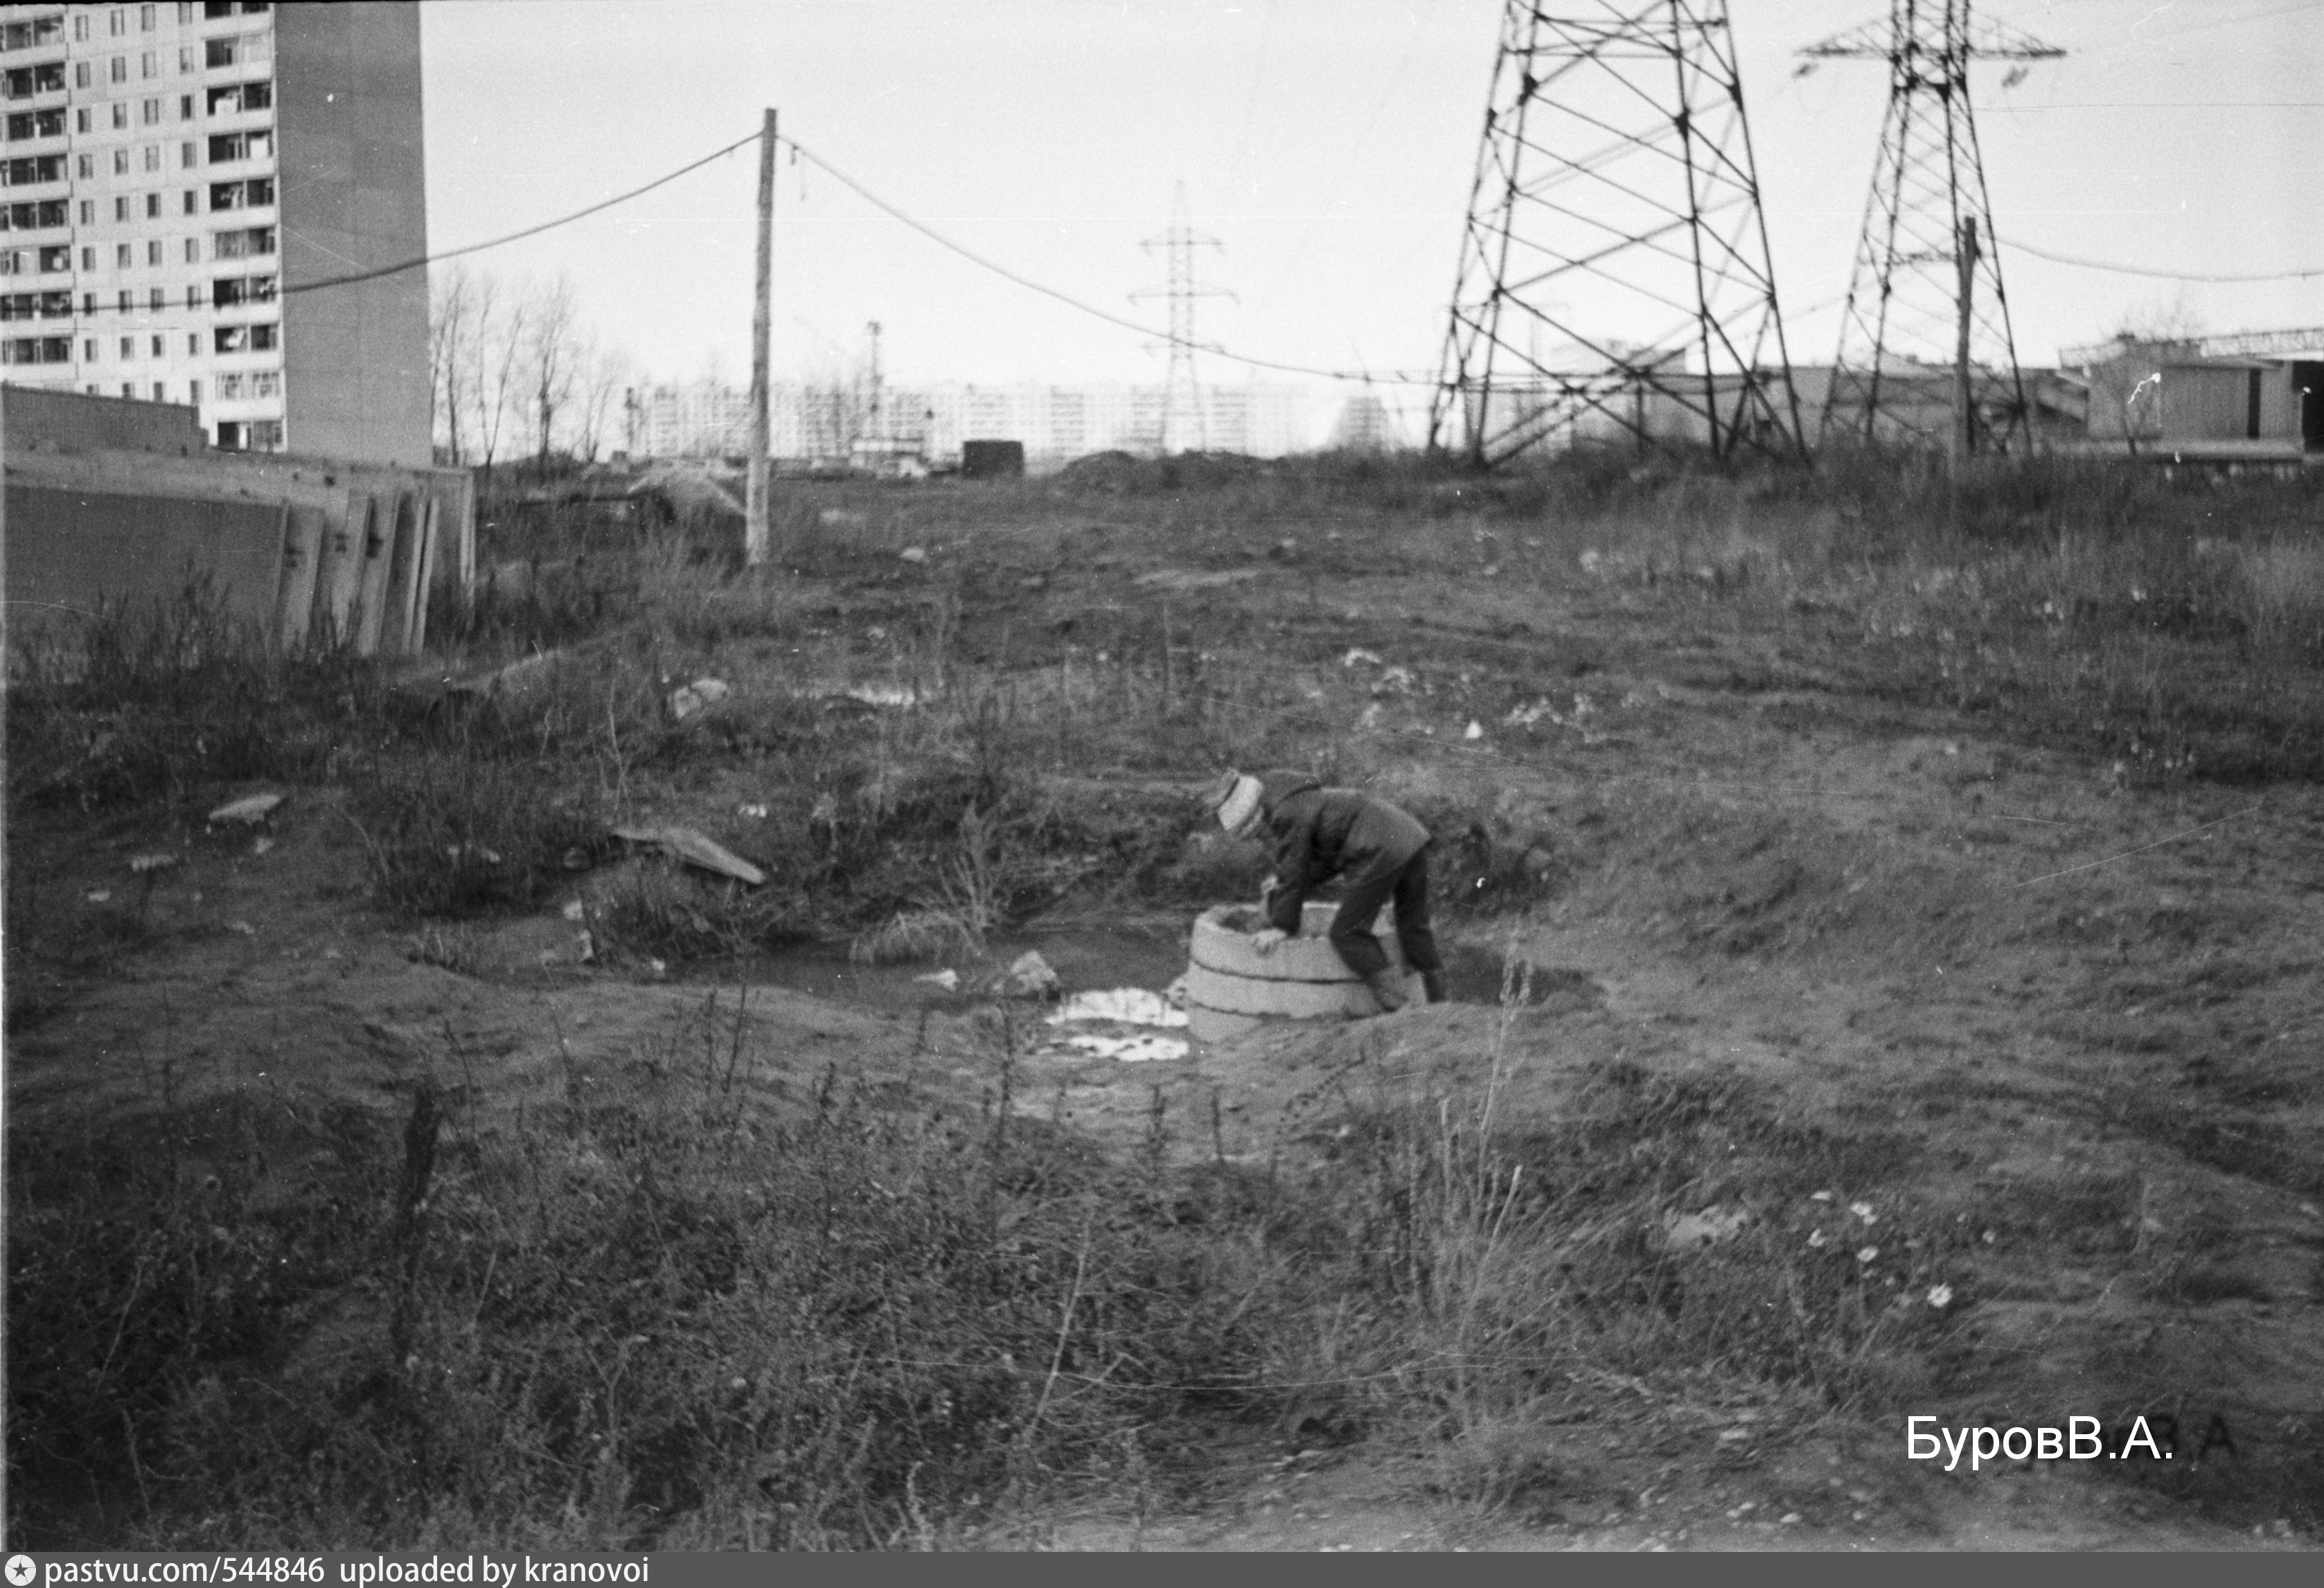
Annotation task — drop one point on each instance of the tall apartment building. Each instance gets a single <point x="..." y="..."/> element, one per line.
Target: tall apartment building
<point x="179" y="184"/>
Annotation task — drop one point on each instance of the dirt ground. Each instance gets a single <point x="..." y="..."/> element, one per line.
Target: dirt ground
<point x="2087" y="1009"/>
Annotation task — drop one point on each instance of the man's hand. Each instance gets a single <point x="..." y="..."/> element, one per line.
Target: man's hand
<point x="1265" y="938"/>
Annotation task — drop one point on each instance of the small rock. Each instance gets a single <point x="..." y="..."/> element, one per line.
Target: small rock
<point x="247" y="810"/>
<point x="698" y="696"/>
<point x="914" y="554"/>
<point x="947" y="979"/>
<point x="1030" y="976"/>
<point x="100" y="895"/>
<point x="574" y="910"/>
<point x="143" y="864"/>
<point x="260" y="846"/>
<point x="1475" y="730"/>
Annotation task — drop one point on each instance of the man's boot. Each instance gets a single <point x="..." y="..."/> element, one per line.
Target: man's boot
<point x="1387" y="988"/>
<point x="1432" y="986"/>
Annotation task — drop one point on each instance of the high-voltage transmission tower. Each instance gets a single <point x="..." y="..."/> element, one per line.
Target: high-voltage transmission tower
<point x="1615" y="281"/>
<point x="1925" y="300"/>
<point x="1182" y="400"/>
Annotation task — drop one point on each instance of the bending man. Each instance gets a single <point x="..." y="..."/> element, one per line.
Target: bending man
<point x="1378" y="852"/>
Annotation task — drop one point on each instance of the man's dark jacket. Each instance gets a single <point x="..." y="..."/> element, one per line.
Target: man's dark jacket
<point x="1323" y="833"/>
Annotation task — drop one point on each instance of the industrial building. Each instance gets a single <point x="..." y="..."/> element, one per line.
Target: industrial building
<point x="185" y="182"/>
<point x="2256" y="396"/>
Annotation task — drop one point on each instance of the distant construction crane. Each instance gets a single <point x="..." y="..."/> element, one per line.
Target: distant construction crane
<point x="1926" y="295"/>
<point x="1182" y="400"/>
<point x="1615" y="280"/>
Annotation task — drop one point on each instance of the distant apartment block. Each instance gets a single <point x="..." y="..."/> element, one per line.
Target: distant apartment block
<point x="704" y="419"/>
<point x="179" y="181"/>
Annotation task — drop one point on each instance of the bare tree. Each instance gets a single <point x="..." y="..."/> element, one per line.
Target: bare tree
<point x="451" y="324"/>
<point x="604" y="373"/>
<point x="553" y="352"/>
<point x="495" y="349"/>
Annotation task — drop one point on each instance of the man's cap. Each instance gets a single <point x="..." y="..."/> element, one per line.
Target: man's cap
<point x="1235" y="797"/>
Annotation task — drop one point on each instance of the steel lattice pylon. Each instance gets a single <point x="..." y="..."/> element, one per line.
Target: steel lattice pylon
<point x="1615" y="280"/>
<point x="1926" y="355"/>
<point x="1182" y="398"/>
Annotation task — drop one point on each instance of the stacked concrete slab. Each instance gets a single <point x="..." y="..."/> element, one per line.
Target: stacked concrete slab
<point x="110" y="501"/>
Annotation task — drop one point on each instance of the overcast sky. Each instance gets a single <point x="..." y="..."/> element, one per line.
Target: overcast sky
<point x="1328" y="144"/>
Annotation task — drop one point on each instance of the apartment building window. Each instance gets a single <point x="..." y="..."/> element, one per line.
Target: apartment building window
<point x="122" y="300"/>
<point x="56" y="257"/>
<point x="89" y="354"/>
<point x="155" y="301"/>
<point x="80" y="74"/>
<point x="129" y="388"/>
<point x="152" y="251"/>
<point x="250" y="193"/>
<point x="185" y="107"/>
<point x="152" y="206"/>
<point x="128" y="351"/>
<point x="117" y="69"/>
<point x="120" y="117"/>
<point x="36" y="350"/>
<point x="192" y="202"/>
<point x="193" y="289"/>
<point x="239" y="97"/>
<point x="145" y="18"/>
<point x="244" y="50"/>
<point x="32" y="35"/>
<point x="153" y="157"/>
<point x="47" y="212"/>
<point x="121" y="162"/>
<point x="184" y="58"/>
<point x="266" y="435"/>
<point x="37" y="123"/>
<point x="88" y="303"/>
<point x="157" y="353"/>
<point x="121" y="256"/>
<point x="194" y="348"/>
<point x="189" y="155"/>
<point x="244" y="244"/>
<point x="227" y="290"/>
<point x="11" y="261"/>
<point x="80" y="120"/>
<point x="121" y="207"/>
<point x="193" y="250"/>
<point x="194" y="393"/>
<point x="117" y="22"/>
<point x="157" y="392"/>
<point x="152" y="113"/>
<point x="86" y="165"/>
<point x="89" y="212"/>
<point x="149" y="65"/>
<point x="257" y="338"/>
<point x="266" y="383"/>
<point x="250" y="145"/>
<point x="229" y="386"/>
<point x="88" y="258"/>
<point x="32" y="168"/>
<point x="185" y="13"/>
<point x="80" y="29"/>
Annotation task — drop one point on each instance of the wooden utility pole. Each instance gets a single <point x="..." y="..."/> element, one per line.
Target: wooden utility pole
<point x="1964" y="409"/>
<point x="754" y="521"/>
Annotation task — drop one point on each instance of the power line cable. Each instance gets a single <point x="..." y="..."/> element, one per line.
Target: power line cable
<point x="1067" y="298"/>
<point x="2166" y="275"/>
<point x="531" y="231"/>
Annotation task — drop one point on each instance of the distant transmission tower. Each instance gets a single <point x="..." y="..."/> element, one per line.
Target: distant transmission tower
<point x="1182" y="399"/>
<point x="1615" y="280"/>
<point x="1926" y="355"/>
